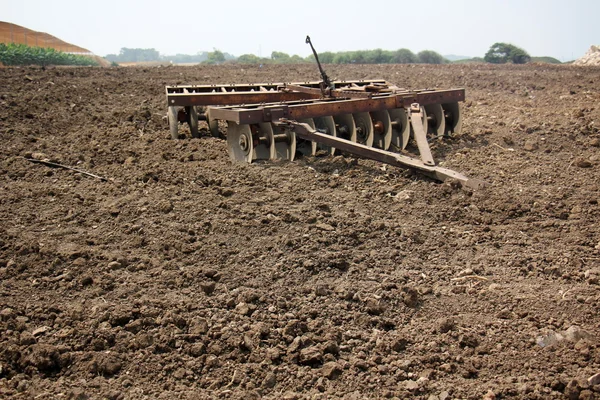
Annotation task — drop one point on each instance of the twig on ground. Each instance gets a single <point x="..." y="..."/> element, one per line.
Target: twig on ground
<point x="477" y="277"/>
<point x="51" y="164"/>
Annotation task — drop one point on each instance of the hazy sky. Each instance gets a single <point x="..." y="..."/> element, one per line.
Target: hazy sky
<point x="561" y="29"/>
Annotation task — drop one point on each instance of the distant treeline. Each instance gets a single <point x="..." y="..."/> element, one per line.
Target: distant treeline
<point x="147" y="55"/>
<point x="377" y="56"/>
<point x="499" y="53"/>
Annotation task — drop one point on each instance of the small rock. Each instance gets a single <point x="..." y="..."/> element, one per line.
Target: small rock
<point x="165" y="206"/>
<point x="113" y="265"/>
<point x="583" y="163"/>
<point x="549" y="339"/>
<point x="311" y="355"/>
<point x="595" y="142"/>
<point x="324" y="227"/>
<point x="468" y="340"/>
<point x="446" y="325"/>
<point x="410" y="296"/>
<point x="530" y="145"/>
<point x="411" y="385"/>
<point x="489" y="396"/>
<point x="444" y="395"/>
<point x="86" y="281"/>
<point x="374" y="307"/>
<point x="331" y="370"/>
<point x="270" y="380"/>
<point x="592" y="380"/>
<point x="575" y="334"/>
<point x="208" y="287"/>
<point x="245" y="308"/>
<point x="321" y="290"/>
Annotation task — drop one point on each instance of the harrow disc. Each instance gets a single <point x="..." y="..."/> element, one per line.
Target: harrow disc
<point x="239" y="142"/>
<point x="436" y="122"/>
<point x="326" y="125"/>
<point x="173" y="122"/>
<point x="192" y="117"/>
<point x="364" y="128"/>
<point x="285" y="143"/>
<point x="213" y="125"/>
<point x="345" y="127"/>
<point x="453" y="116"/>
<point x="400" y="127"/>
<point x="306" y="147"/>
<point x="382" y="129"/>
<point x="265" y="147"/>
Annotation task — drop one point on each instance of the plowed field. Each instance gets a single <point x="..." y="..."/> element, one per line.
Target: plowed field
<point x="186" y="276"/>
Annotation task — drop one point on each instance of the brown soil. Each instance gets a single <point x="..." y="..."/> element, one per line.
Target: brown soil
<point x="12" y="33"/>
<point x="185" y="276"/>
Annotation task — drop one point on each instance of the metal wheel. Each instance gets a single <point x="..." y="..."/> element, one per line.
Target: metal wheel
<point x="192" y="117"/>
<point x="173" y="122"/>
<point x="436" y="120"/>
<point x="285" y="142"/>
<point x="213" y="125"/>
<point x="262" y="135"/>
<point x="345" y="127"/>
<point x="453" y="115"/>
<point x="400" y="127"/>
<point x="364" y="128"/>
<point x="239" y="142"/>
<point x="306" y="147"/>
<point x="382" y="129"/>
<point x="326" y="125"/>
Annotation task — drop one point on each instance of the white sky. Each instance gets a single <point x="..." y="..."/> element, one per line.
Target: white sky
<point x="556" y="28"/>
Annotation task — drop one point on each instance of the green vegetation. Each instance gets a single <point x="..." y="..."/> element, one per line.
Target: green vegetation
<point x="377" y="56"/>
<point x="502" y="53"/>
<point x="20" y="54"/>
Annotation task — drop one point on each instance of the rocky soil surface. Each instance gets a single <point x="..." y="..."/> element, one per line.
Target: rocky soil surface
<point x="185" y="276"/>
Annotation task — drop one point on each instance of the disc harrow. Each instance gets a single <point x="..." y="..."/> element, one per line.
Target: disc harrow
<point x="367" y="118"/>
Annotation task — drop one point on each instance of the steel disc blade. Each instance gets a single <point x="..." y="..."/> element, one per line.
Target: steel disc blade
<point x="213" y="124"/>
<point x="400" y="127"/>
<point x="453" y="115"/>
<point x="306" y="147"/>
<point x="284" y="148"/>
<point x="264" y="151"/>
<point x="436" y="120"/>
<point x="364" y="128"/>
<point x="239" y="142"/>
<point x="424" y="120"/>
<point x="382" y="129"/>
<point x="173" y="122"/>
<point x="192" y="115"/>
<point x="345" y="127"/>
<point x="326" y="125"/>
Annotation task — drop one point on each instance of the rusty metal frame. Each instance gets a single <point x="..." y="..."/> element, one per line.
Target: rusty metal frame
<point x="221" y="95"/>
<point x="296" y="110"/>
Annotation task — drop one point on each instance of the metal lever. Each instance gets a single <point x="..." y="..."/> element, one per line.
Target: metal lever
<point x="327" y="86"/>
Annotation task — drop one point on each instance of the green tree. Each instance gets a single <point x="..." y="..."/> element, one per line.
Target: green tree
<point x="501" y="53"/>
<point x="248" y="59"/>
<point x="215" y="57"/>
<point x="430" y="57"/>
<point x="403" y="56"/>
<point x="279" y="57"/>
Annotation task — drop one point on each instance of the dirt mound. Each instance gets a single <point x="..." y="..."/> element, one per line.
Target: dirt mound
<point x="186" y="276"/>
<point x="592" y="57"/>
<point x="12" y="33"/>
